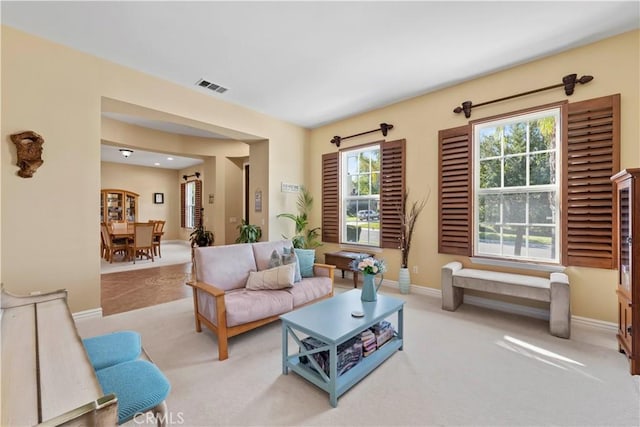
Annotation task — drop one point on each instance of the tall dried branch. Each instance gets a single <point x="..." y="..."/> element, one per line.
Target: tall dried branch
<point x="408" y="218"/>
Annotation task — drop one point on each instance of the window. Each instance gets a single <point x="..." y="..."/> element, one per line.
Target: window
<point x="362" y="189"/>
<point x="190" y="205"/>
<point x="499" y="191"/>
<point x="516" y="191"/>
<point x="360" y="216"/>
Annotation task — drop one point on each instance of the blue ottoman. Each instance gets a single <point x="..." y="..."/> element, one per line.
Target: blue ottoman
<point x="139" y="386"/>
<point x="111" y="349"/>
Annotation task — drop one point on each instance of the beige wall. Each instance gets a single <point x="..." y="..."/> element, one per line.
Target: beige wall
<point x="145" y="181"/>
<point x="64" y="104"/>
<point x="614" y="63"/>
<point x="60" y="93"/>
<point x="233" y="202"/>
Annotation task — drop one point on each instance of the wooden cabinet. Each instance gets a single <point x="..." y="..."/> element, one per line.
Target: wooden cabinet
<point x="627" y="203"/>
<point x="118" y="205"/>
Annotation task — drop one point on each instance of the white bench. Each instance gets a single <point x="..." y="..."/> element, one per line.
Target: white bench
<point x="46" y="374"/>
<point x="555" y="291"/>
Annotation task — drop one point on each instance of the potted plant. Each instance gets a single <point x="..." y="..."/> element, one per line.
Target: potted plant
<point x="200" y="237"/>
<point x="305" y="237"/>
<point x="408" y="218"/>
<point x="249" y="233"/>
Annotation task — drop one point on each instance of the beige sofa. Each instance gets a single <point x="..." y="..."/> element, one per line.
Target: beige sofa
<point x="222" y="302"/>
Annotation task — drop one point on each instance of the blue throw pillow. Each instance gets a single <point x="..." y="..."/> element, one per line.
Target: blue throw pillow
<point x="306" y="258"/>
<point x="290" y="257"/>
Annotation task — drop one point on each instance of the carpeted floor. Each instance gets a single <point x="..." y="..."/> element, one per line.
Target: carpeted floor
<point x="472" y="367"/>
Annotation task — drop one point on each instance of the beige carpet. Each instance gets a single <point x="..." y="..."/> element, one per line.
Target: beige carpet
<point x="473" y="367"/>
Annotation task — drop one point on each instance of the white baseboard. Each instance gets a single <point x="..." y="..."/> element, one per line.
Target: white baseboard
<point x="87" y="314"/>
<point x="537" y="313"/>
<point x="595" y="323"/>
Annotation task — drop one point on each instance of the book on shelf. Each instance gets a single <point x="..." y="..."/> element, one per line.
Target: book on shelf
<point x="349" y="354"/>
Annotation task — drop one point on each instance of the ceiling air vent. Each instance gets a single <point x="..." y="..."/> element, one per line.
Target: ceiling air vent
<point x="212" y="86"/>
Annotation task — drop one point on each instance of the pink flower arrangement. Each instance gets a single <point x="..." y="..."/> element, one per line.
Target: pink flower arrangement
<point x="369" y="265"/>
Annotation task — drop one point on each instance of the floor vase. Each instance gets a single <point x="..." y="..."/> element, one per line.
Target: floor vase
<point x="404" y="280"/>
<point x="369" y="287"/>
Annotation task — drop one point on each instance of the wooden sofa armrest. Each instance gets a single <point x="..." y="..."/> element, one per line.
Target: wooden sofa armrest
<point x="327" y="269"/>
<point x="206" y="287"/>
<point x="220" y="326"/>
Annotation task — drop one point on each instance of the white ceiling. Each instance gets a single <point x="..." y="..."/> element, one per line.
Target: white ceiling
<point x="311" y="63"/>
<point x="112" y="154"/>
<point x="163" y="126"/>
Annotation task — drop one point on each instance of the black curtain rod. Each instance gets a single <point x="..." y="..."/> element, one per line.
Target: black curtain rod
<point x="568" y="82"/>
<point x="384" y="128"/>
<point x="186" y="177"/>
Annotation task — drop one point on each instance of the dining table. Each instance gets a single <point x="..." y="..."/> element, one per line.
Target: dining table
<point x="121" y="232"/>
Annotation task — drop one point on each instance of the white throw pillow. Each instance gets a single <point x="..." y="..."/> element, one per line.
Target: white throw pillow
<point x="273" y="278"/>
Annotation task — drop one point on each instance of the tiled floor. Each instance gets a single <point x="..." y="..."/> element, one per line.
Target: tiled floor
<point x="129" y="290"/>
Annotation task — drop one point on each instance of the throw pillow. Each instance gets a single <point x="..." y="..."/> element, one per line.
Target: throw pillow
<point x="306" y="258"/>
<point x="271" y="279"/>
<point x="274" y="259"/>
<point x="290" y="257"/>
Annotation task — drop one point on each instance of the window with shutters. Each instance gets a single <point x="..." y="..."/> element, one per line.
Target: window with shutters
<point x="362" y="190"/>
<point x="190" y="204"/>
<point x="361" y="196"/>
<point x="485" y="172"/>
<point x="516" y="187"/>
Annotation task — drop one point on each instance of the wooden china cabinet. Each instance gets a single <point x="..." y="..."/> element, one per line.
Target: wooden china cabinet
<point x="118" y="205"/>
<point x="627" y="203"/>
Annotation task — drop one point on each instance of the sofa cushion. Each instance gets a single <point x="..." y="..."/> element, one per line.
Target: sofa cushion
<point x="262" y="252"/>
<point x="244" y="306"/>
<point x="225" y="267"/>
<point x="306" y="257"/>
<point x="272" y="278"/>
<point x="309" y="289"/>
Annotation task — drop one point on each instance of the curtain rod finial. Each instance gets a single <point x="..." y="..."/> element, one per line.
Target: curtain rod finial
<point x="385" y="127"/>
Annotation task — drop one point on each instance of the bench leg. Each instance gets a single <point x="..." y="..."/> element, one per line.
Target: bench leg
<point x="560" y="307"/>
<point x="451" y="296"/>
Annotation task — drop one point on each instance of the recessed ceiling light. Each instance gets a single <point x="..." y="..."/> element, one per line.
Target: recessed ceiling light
<point x="156" y="164"/>
<point x="169" y="158"/>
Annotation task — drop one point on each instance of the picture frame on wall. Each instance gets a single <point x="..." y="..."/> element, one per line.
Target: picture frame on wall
<point x="158" y="198"/>
<point x="258" y="201"/>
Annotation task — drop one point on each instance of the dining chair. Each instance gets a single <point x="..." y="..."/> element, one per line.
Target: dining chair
<point x="119" y="226"/>
<point x="158" y="229"/>
<point x="111" y="245"/>
<point x="142" y="241"/>
<point x="103" y="244"/>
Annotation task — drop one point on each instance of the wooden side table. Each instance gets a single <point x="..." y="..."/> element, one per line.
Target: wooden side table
<point x="342" y="259"/>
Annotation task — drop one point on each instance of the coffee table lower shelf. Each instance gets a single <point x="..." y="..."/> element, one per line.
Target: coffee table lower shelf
<point x="347" y="380"/>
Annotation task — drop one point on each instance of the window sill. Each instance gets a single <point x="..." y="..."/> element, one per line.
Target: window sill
<point x="518" y="264"/>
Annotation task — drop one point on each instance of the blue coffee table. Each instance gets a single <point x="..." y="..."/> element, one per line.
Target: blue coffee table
<point x="330" y="321"/>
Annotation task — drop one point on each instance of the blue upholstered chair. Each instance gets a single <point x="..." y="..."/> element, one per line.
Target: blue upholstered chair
<point x="139" y="386"/>
<point x="110" y="349"/>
